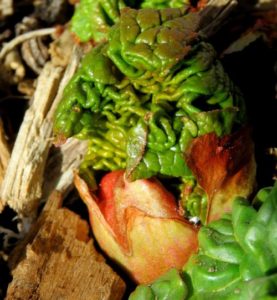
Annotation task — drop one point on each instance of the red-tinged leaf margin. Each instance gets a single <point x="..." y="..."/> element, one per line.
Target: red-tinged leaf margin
<point x="224" y="167"/>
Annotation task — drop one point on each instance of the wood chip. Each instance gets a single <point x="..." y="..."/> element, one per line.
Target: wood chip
<point x="60" y="261"/>
<point x="22" y="185"/>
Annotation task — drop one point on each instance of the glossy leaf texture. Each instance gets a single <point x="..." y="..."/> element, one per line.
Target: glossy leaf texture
<point x="92" y="19"/>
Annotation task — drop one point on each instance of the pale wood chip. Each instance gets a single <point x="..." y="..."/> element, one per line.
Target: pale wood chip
<point x="22" y="185"/>
<point x="60" y="261"/>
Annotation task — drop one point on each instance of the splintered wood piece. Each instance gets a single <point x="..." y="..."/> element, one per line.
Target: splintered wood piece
<point x="22" y="185"/>
<point x="60" y="261"/>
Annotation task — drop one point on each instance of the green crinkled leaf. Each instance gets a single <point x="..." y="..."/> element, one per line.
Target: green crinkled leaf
<point x="162" y="154"/>
<point x="237" y="257"/>
<point x="150" y="40"/>
<point x="93" y="19"/>
<point x="153" y="69"/>
<point x="169" y="162"/>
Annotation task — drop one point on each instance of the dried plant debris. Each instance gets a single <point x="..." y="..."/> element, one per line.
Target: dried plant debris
<point x="24" y="37"/>
<point x="13" y="64"/>
<point x="22" y="186"/>
<point x="53" y="11"/>
<point x="6" y="8"/>
<point x="28" y="23"/>
<point x="35" y="54"/>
